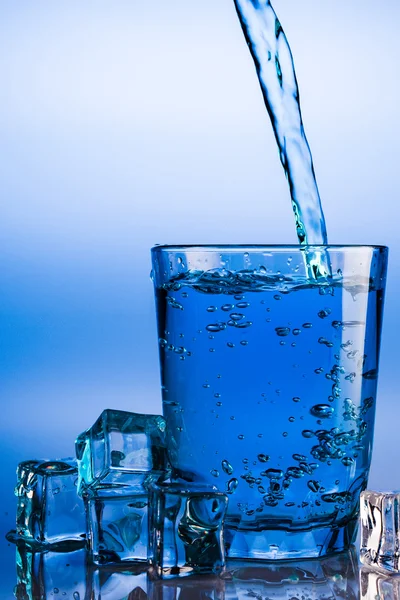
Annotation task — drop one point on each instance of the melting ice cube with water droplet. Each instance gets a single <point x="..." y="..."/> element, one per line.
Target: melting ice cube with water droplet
<point x="118" y="457"/>
<point x="380" y="533"/>
<point x="185" y="531"/>
<point x="121" y="450"/>
<point x="49" y="510"/>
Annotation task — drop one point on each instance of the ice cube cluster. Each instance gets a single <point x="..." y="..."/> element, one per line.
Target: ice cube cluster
<point x="119" y="502"/>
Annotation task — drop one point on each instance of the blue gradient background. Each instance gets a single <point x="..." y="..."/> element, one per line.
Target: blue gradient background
<point x="124" y="124"/>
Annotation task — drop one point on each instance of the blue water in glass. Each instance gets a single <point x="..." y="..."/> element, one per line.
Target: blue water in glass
<point x="269" y="389"/>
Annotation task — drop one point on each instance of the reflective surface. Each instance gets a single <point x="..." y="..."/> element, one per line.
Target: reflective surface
<point x="67" y="575"/>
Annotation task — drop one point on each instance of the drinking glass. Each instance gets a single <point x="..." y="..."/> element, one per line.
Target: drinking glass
<point x="269" y="381"/>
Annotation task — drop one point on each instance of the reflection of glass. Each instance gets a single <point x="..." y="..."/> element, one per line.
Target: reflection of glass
<point x="66" y="575"/>
<point x="333" y="577"/>
<point x="269" y="387"/>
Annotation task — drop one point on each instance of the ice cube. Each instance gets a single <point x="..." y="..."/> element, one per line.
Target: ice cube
<point x="110" y="584"/>
<point x="376" y="586"/>
<point x="49" y="510"/>
<point x="121" y="450"/>
<point x="380" y="534"/>
<point x="186" y="529"/>
<point x="118" y="527"/>
<point x="50" y="575"/>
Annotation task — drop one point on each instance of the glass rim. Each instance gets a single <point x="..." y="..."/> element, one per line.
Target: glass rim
<point x="269" y="247"/>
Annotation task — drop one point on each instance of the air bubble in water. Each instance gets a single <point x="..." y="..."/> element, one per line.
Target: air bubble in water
<point x="282" y="331"/>
<point x="274" y="474"/>
<point x="295" y="472"/>
<point x="227" y="307"/>
<point x="230" y="344"/>
<point x="244" y="342"/>
<point x="296" y="331"/>
<point x="173" y="303"/>
<point x="212" y="309"/>
<point x="313" y="486"/>
<point x="277" y="297"/>
<point x="214" y="327"/>
<point x="241" y="437"/>
<point x="325" y="342"/>
<point x="236" y="316"/>
<point x="214" y="473"/>
<point x="244" y="325"/>
<point x="243" y="304"/>
<point x="263" y="458"/>
<point x="322" y="411"/>
<point x="299" y="457"/>
<point x="296" y="399"/>
<point x="347" y="461"/>
<point x="323" y="314"/>
<point x="319" y="371"/>
<point x="307" y="325"/>
<point x="350" y="377"/>
<point x="232" y="485"/>
<point x="307" y="433"/>
<point x="180" y="350"/>
<point x="227" y="467"/>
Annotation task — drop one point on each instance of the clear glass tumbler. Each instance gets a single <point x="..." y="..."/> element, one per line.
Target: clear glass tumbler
<point x="269" y="386"/>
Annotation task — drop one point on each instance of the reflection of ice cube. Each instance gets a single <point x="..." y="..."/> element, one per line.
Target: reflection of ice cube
<point x="195" y="587"/>
<point x="109" y="584"/>
<point x="49" y="575"/>
<point x="117" y="527"/>
<point x="380" y="535"/>
<point x="120" y="450"/>
<point x="333" y="578"/>
<point x="376" y="586"/>
<point x="186" y="529"/>
<point x="49" y="510"/>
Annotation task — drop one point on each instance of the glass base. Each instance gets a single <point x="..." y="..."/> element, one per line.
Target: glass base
<point x="280" y="544"/>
